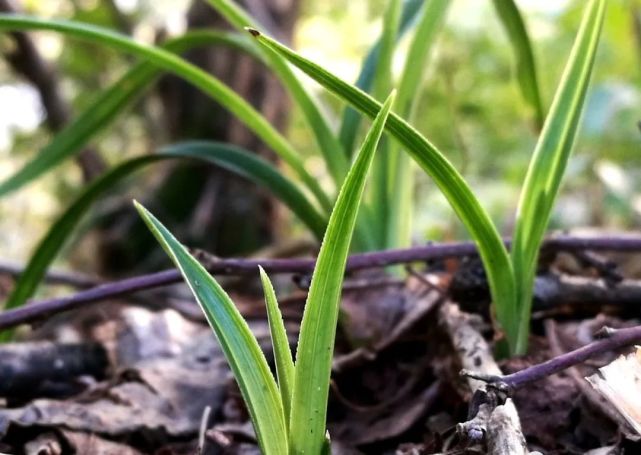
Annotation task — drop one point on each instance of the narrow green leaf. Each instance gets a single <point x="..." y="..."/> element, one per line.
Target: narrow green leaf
<point x="282" y="353"/>
<point x="232" y="158"/>
<point x="351" y="119"/>
<point x="382" y="83"/>
<point x="178" y="66"/>
<point x="550" y="159"/>
<point x="108" y="104"/>
<point x="526" y="73"/>
<point x="318" y="328"/>
<point x="454" y="188"/>
<point x="330" y="147"/>
<point x="379" y="209"/>
<point x="430" y="22"/>
<point x="401" y="179"/>
<point x="239" y="345"/>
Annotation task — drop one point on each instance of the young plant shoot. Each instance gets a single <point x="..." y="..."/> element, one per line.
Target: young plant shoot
<point x="510" y="276"/>
<point x="288" y="417"/>
<point x="385" y="220"/>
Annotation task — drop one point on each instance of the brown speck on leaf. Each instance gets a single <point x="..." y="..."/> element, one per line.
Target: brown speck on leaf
<point x="253" y="31"/>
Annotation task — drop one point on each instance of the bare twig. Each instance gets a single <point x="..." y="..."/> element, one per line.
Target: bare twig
<point x="27" y="61"/>
<point x="613" y="340"/>
<point x="43" y="308"/>
<point x="204" y="422"/>
<point x="595" y="400"/>
<point x="551" y="290"/>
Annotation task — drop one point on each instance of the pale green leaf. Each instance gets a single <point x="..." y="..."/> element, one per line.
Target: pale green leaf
<point x="351" y="119"/>
<point x="454" y="188"/>
<point x="247" y="361"/>
<point x="282" y="353"/>
<point x="526" y="73"/>
<point x="399" y="166"/>
<point x="550" y="159"/>
<point x="318" y="328"/>
<point x="330" y="147"/>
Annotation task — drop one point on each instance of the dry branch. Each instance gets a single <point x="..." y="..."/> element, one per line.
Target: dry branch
<point x="495" y="421"/>
<point x="40" y="309"/>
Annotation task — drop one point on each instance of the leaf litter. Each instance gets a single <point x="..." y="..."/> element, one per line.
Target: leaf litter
<point x="396" y="386"/>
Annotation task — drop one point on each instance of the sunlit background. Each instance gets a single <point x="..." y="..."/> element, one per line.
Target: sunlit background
<point x="470" y="107"/>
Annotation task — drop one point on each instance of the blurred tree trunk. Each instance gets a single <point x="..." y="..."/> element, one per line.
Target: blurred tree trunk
<point x="204" y="206"/>
<point x="25" y="59"/>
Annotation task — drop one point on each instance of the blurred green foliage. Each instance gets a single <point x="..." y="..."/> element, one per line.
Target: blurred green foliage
<point x="470" y="107"/>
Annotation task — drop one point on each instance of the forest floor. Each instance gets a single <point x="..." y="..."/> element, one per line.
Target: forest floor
<point x="143" y="374"/>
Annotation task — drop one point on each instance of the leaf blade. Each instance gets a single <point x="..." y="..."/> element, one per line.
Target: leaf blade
<point x="379" y="204"/>
<point x="318" y="328"/>
<point x="107" y="105"/>
<point x="330" y="147"/>
<point x="241" y="348"/>
<point x="401" y="171"/>
<point x="280" y="343"/>
<point x="551" y="155"/>
<point x="452" y="185"/>
<point x="210" y="85"/>
<point x="351" y="118"/>
<point x="526" y="72"/>
<point x="230" y="157"/>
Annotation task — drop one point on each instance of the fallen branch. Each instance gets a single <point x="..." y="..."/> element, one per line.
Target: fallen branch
<point x="552" y="290"/>
<point x="29" y="368"/>
<point x="594" y="399"/>
<point x="40" y="309"/>
<point x="610" y="340"/>
<point x="493" y="420"/>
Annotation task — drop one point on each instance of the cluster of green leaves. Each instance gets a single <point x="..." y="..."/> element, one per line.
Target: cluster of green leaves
<point x="289" y="417"/>
<point x="385" y="220"/>
<point x="510" y="274"/>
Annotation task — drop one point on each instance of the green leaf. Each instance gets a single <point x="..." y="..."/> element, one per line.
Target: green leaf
<point x="108" y="104"/>
<point x="330" y="147"/>
<point x="382" y="83"/>
<point x="401" y="172"/>
<point x="318" y="328"/>
<point x="239" y="345"/>
<point x="379" y="209"/>
<point x="168" y="61"/>
<point x="526" y="73"/>
<point x="232" y="158"/>
<point x="550" y="159"/>
<point x="282" y="353"/>
<point x="454" y="188"/>
<point x="351" y="118"/>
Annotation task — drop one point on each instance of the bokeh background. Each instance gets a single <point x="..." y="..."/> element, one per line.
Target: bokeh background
<point x="470" y="107"/>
